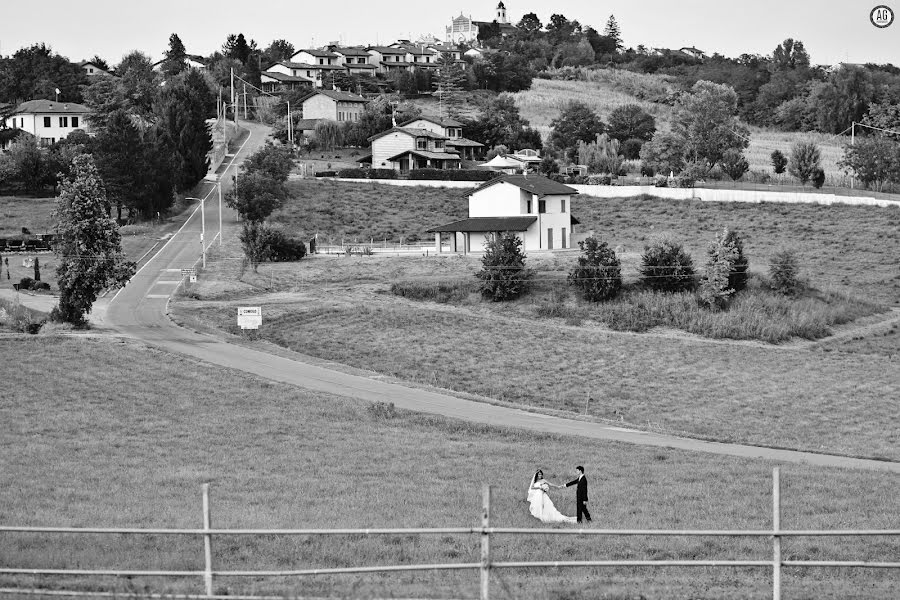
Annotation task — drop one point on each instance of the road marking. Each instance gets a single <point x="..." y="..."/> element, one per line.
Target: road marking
<point x="171" y="270"/>
<point x="157" y="296"/>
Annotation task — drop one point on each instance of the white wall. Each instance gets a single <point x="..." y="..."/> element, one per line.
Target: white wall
<point x="390" y="145"/>
<point x="723" y="195"/>
<point x="320" y="106"/>
<point x="498" y="200"/>
<point x="34" y="124"/>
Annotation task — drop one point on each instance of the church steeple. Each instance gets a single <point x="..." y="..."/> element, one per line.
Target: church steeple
<point x="501" y="13"/>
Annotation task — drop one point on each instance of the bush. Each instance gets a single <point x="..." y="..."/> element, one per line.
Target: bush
<point x="503" y="273"/>
<point x="264" y="243"/>
<point x="737" y="275"/>
<point x="735" y="164"/>
<point x="441" y="291"/>
<point x="598" y="274"/>
<point x="452" y="174"/>
<point x="721" y="254"/>
<point x="326" y="174"/>
<point x="599" y="180"/>
<point x="805" y="159"/>
<point x="353" y="174"/>
<point x="661" y="181"/>
<point x="779" y="162"/>
<point x="631" y="148"/>
<point x="818" y="177"/>
<point x="38" y="286"/>
<point x="283" y="248"/>
<point x="784" y="273"/>
<point x="382" y="173"/>
<point x="665" y="266"/>
<point x="26" y="283"/>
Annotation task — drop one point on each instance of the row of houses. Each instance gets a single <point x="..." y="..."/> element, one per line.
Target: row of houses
<point x="312" y="66"/>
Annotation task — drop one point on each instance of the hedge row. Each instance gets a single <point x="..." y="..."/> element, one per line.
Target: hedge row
<point x="453" y="174"/>
<point x="367" y="174"/>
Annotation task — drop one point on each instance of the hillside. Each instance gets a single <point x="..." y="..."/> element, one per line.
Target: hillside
<point x="609" y="89"/>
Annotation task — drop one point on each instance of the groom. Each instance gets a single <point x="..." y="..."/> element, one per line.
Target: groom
<point x="581" y="496"/>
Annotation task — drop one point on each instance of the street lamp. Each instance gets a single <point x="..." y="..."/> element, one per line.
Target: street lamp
<point x="202" y="227"/>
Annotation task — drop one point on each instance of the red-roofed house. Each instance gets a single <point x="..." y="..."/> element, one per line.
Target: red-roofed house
<point x="405" y="148"/>
<point x="49" y="121"/>
<point x="536" y="209"/>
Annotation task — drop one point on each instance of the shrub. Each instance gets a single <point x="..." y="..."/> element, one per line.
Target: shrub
<point x="383" y="174"/>
<point x="40" y="286"/>
<point x="631" y="148"/>
<point x="503" y="273"/>
<point x="599" y="180"/>
<point x="353" y="174"/>
<point x="805" y="159"/>
<point x="714" y="289"/>
<point x="818" y="177"/>
<point x="735" y="164"/>
<point x="264" y="243"/>
<point x="441" y="291"/>
<point x="326" y="173"/>
<point x="26" y="283"/>
<point x="692" y="171"/>
<point x="452" y="174"/>
<point x="661" y="181"/>
<point x="284" y="248"/>
<point x="779" y="162"/>
<point x="784" y="273"/>
<point x="737" y="275"/>
<point x="665" y="265"/>
<point x="599" y="273"/>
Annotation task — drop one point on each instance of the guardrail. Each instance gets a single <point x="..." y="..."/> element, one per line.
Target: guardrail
<point x="484" y="566"/>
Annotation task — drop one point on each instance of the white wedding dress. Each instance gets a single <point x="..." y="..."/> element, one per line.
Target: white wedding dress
<point x="541" y="506"/>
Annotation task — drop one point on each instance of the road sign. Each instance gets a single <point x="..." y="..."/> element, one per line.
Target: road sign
<point x="189" y="274"/>
<point x="193" y="279"/>
<point x="249" y="317"/>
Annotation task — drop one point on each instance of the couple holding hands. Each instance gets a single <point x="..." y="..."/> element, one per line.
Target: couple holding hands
<point x="541" y="506"/>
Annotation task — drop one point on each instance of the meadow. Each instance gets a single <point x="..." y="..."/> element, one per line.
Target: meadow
<point x="116" y="434"/>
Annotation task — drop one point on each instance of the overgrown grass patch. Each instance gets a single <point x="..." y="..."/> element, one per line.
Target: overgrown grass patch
<point x="103" y="433"/>
<point x="436" y="291"/>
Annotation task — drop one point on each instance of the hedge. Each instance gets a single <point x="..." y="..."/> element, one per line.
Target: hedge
<point x="367" y="174"/>
<point x="453" y="174"/>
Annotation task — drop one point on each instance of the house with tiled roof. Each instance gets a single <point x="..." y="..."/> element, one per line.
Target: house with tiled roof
<point x="406" y="148"/>
<point x="535" y="208"/>
<point x="354" y="59"/>
<point x="318" y="74"/>
<point x="453" y="131"/>
<point x="314" y="56"/>
<point x="277" y="81"/>
<point x="49" y="121"/>
<point x="92" y="69"/>
<point x="333" y="105"/>
<point x="388" y="60"/>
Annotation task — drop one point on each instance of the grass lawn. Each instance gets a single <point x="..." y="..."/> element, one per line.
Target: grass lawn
<point x="362" y="211"/>
<point x="108" y="433"/>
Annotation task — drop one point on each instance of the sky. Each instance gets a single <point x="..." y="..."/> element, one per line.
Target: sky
<point x="832" y="31"/>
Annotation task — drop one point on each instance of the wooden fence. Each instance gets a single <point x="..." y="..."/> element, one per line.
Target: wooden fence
<point x="484" y="566"/>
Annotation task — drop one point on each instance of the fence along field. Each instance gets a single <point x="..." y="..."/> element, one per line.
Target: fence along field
<point x="485" y="533"/>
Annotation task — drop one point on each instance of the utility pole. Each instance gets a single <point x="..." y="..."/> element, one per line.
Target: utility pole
<point x="203" y="229"/>
<point x="220" y="210"/>
<point x="852" y="142"/>
<point x="290" y="126"/>
<point x="245" y="102"/>
<point x="233" y="104"/>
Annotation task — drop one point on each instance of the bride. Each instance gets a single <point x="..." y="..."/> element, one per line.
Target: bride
<point x="540" y="504"/>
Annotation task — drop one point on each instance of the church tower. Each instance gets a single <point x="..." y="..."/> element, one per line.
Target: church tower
<point x="501" y="13"/>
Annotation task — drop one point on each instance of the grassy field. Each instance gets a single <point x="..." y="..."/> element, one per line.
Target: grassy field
<point x="835" y="397"/>
<point x="17" y="212"/>
<point x="114" y="434"/>
<point x="365" y="211"/>
<point x="763" y="142"/>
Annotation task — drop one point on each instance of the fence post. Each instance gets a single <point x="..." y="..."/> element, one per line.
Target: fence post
<point x="207" y="543"/>
<point x="486" y="544"/>
<point x="776" y="538"/>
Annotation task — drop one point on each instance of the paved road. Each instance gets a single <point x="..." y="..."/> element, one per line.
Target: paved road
<point x="139" y="310"/>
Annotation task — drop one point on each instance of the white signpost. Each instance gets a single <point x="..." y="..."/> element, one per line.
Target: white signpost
<point x="249" y="317"/>
<point x="190" y="274"/>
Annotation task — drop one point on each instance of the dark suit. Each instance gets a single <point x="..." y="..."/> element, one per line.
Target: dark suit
<point x="581" y="496"/>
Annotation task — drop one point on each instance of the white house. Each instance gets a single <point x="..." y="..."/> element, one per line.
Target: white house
<point x="333" y="105"/>
<point x="317" y="74"/>
<point x="276" y="81"/>
<point x="49" y="121"/>
<point x="388" y="60"/>
<point x="536" y="209"/>
<point x="314" y="56"/>
<point x="453" y="131"/>
<point x="355" y="60"/>
<point x="92" y="69"/>
<point x="405" y="148"/>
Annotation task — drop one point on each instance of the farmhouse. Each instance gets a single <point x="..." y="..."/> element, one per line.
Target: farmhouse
<point x="536" y="209"/>
<point x="332" y="105"/>
<point x="405" y="148"/>
<point x="452" y="130"/>
<point x="49" y="121"/>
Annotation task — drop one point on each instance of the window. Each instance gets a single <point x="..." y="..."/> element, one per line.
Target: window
<point x="309" y="73"/>
<point x="64" y="121"/>
<point x="438" y="143"/>
<point x="542" y="206"/>
<point x="562" y="206"/>
<point x="528" y="207"/>
<point x="75" y="122"/>
<point x="47" y="122"/>
<point x="421" y="144"/>
<point x="45" y="142"/>
<point x="321" y="61"/>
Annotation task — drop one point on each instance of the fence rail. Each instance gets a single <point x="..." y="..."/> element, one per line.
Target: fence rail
<point x="484" y="566"/>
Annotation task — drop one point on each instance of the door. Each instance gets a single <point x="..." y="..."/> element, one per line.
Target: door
<point x="562" y="238"/>
<point x="549" y="239"/>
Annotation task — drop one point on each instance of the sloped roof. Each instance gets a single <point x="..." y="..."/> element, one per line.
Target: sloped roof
<point x="316" y="52"/>
<point x="306" y="124"/>
<point x="359" y="66"/>
<point x="409" y="131"/>
<point x="536" y="184"/>
<point x="461" y="142"/>
<point x="426" y="154"/>
<point x="284" y="78"/>
<point x="350" y="51"/>
<point x="486" y="224"/>
<point x="336" y="95"/>
<point x="50" y="106"/>
<point x="435" y="120"/>
<point x="501" y="162"/>
<point x="387" y="50"/>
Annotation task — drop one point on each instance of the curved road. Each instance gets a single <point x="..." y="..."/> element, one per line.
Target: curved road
<point x="139" y="311"/>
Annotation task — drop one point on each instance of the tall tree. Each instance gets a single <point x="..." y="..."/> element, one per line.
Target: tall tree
<point x="576" y="122"/>
<point x="705" y="120"/>
<point x="37" y="72"/>
<point x="279" y="50"/>
<point x="561" y="30"/>
<point x="530" y="24"/>
<point x="88" y="244"/>
<point x="613" y="32"/>
<point x="181" y="112"/>
<point x="236" y="47"/>
<point x="630" y="121"/>
<point x="448" y="85"/>
<point x="176" y="57"/>
<point x="500" y="123"/>
<point x="790" y="54"/>
<point x="139" y="82"/>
